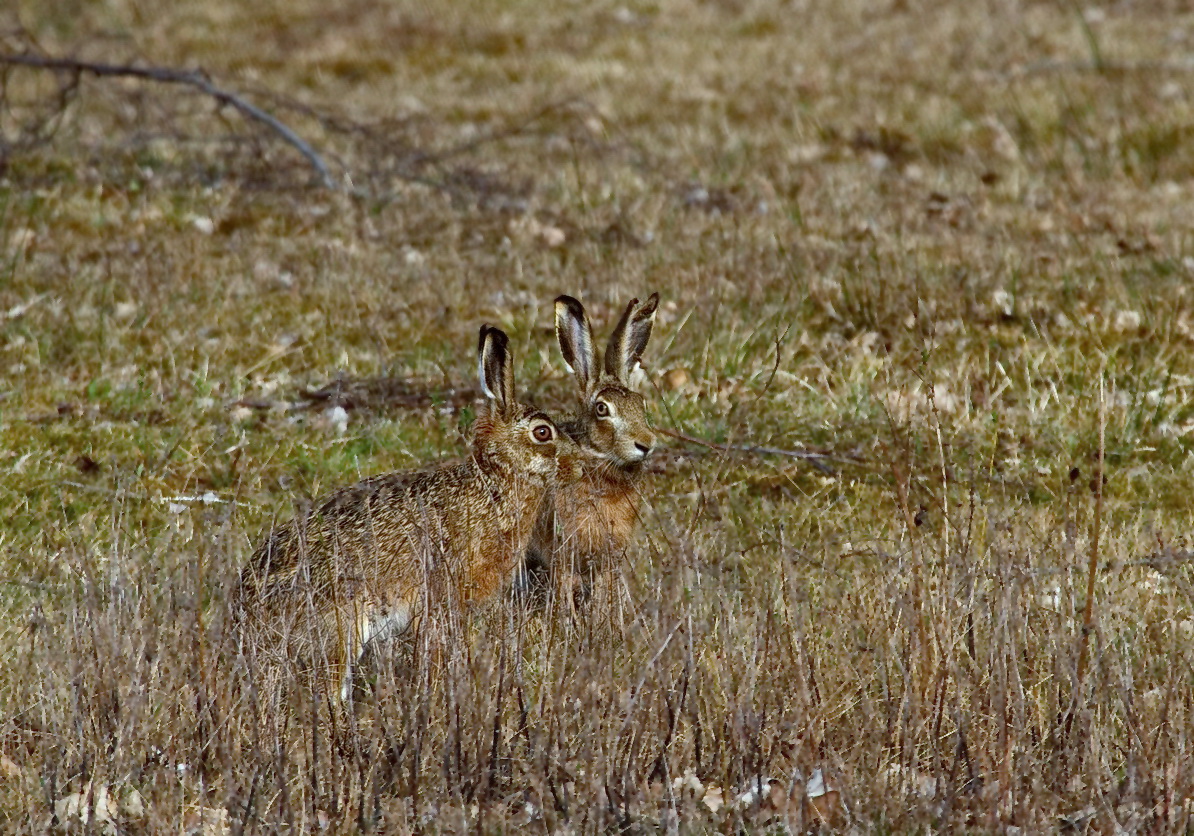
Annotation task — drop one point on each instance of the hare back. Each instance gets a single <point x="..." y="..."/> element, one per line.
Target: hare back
<point x="382" y="536"/>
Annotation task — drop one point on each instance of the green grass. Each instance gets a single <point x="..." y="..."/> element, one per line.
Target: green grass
<point x="920" y="239"/>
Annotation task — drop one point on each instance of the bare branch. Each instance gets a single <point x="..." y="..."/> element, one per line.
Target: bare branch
<point x="196" y="79"/>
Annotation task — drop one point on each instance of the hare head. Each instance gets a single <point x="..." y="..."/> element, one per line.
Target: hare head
<point x="509" y="436"/>
<point x="612" y="422"/>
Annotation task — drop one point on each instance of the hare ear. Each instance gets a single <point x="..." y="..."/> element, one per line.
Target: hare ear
<point x="496" y="369"/>
<point x="576" y="339"/>
<point x="630" y="337"/>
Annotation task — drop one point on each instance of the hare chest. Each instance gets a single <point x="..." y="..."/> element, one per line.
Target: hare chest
<point x="596" y="519"/>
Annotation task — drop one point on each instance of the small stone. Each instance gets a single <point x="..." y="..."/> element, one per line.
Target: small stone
<point x="337" y="418"/>
<point x="1127" y="321"/>
<point x="674" y="379"/>
<point x="265" y="270"/>
<point x="552" y="236"/>
<point x="240" y="414"/>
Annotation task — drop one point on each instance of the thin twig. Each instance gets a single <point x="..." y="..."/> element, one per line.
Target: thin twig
<point x="1164" y="558"/>
<point x="779" y="345"/>
<point x="1092" y="40"/>
<point x="498" y="134"/>
<point x="189" y="78"/>
<point x="1102" y="66"/>
<point x="1093" y="566"/>
<point x="813" y="458"/>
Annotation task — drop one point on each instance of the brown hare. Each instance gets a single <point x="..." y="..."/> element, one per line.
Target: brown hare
<point x="591" y="521"/>
<point x="373" y="556"/>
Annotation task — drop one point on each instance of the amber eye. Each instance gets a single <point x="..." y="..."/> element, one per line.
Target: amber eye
<point x="602" y="409"/>
<point x="542" y="433"/>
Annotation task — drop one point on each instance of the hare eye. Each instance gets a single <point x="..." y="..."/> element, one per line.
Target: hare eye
<point x="542" y="433"/>
<point x="602" y="409"/>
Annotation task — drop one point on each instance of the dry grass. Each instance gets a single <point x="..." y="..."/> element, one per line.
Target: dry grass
<point x="920" y="236"/>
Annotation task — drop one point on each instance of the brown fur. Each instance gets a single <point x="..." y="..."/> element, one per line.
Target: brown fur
<point x="591" y="522"/>
<point x="372" y="557"/>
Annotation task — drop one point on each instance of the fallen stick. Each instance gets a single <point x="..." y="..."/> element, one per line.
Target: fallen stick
<point x="188" y="78"/>
<point x="815" y="459"/>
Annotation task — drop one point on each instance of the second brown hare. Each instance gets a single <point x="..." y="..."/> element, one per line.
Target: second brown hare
<point x="372" y="557"/>
<point x="590" y="522"/>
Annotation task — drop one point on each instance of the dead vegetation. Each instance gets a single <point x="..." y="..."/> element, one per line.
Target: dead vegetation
<point x="946" y="245"/>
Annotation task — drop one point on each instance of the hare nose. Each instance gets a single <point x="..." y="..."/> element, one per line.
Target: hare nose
<point x="642" y="448"/>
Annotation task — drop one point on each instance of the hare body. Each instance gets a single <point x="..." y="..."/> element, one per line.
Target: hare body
<point x="592" y="521"/>
<point x="374" y="556"/>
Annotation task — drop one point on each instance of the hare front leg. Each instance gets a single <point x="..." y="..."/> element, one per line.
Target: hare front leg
<point x="373" y="623"/>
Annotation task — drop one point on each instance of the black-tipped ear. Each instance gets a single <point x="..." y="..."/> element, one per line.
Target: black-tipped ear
<point x="575" y="336"/>
<point x="630" y="337"/>
<point x="496" y="369"/>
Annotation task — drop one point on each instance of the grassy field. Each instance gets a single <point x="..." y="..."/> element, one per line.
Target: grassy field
<point x="948" y="245"/>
